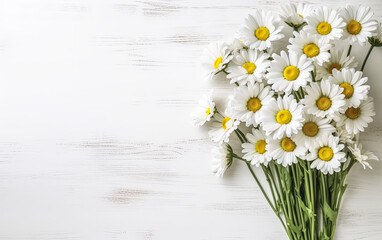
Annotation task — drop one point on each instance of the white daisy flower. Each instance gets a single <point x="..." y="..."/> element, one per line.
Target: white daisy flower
<point x="313" y="47"/>
<point x="324" y="99"/>
<point x="362" y="155"/>
<point x="286" y="151"/>
<point x="255" y="149"/>
<point x="338" y="60"/>
<point x="359" y="25"/>
<point x="222" y="127"/>
<point x="376" y="40"/>
<point x="204" y="111"/>
<point x="325" y="23"/>
<point x="356" y="119"/>
<point x="353" y="85"/>
<point x="222" y="159"/>
<point x="248" y="66"/>
<point x="289" y="73"/>
<point x="314" y="130"/>
<point x="247" y="101"/>
<point x="236" y="45"/>
<point x="294" y="14"/>
<point x="215" y="58"/>
<point x="327" y="155"/>
<point x="344" y="135"/>
<point x="260" y="29"/>
<point x="282" y="116"/>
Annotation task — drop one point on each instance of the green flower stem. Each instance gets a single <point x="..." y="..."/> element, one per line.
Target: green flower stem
<point x="267" y="198"/>
<point x="367" y="57"/>
<point x="349" y="50"/>
<point x="237" y="130"/>
<point x="239" y="135"/>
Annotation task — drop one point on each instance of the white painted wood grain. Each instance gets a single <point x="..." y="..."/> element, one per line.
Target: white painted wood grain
<point x="95" y="135"/>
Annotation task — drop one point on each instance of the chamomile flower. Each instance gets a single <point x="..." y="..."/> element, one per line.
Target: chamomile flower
<point x="314" y="130"/>
<point x="287" y="73"/>
<point x="204" y="111"/>
<point x="295" y="15"/>
<point x="338" y="60"/>
<point x="222" y="127"/>
<point x="325" y="23"/>
<point x="327" y="155"/>
<point x="324" y="99"/>
<point x="248" y="66"/>
<point x="356" y="119"/>
<point x="255" y="149"/>
<point x="359" y="25"/>
<point x="282" y="116"/>
<point x="222" y="159"/>
<point x="215" y="58"/>
<point x="353" y="85"/>
<point x="376" y="40"/>
<point x="247" y="103"/>
<point x="260" y="29"/>
<point x="313" y="47"/>
<point x="362" y="155"/>
<point x="344" y="135"/>
<point x="286" y="151"/>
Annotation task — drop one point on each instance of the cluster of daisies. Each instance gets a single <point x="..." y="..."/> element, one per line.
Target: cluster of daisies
<point x="304" y="101"/>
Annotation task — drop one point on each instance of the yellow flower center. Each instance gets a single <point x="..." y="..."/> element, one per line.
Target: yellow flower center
<point x="324" y="28"/>
<point x="283" y="117"/>
<point x="254" y="104"/>
<point x="301" y="16"/>
<point x="310" y="129"/>
<point x="353" y="27"/>
<point x="324" y="103"/>
<point x="291" y="73"/>
<point x="334" y="66"/>
<point x="348" y="89"/>
<point x="311" y="50"/>
<point x="250" y="67"/>
<point x="288" y="145"/>
<point x="224" y="122"/>
<point x="353" y="113"/>
<point x="217" y="62"/>
<point x="262" y="33"/>
<point x="208" y="111"/>
<point x="325" y="154"/>
<point x="260" y="146"/>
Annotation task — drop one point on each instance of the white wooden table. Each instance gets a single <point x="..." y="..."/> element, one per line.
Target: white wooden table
<point x="95" y="136"/>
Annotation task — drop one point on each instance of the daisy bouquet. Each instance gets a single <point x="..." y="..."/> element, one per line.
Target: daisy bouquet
<point x="298" y="104"/>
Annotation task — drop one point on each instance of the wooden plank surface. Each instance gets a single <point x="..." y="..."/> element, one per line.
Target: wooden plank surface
<point x="95" y="136"/>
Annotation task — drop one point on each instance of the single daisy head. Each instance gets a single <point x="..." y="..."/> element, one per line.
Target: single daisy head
<point x="287" y="73"/>
<point x="362" y="155"/>
<point x="325" y="23"/>
<point x="205" y="110"/>
<point x="222" y="159"/>
<point x="286" y="150"/>
<point x="313" y="47"/>
<point x="356" y="119"/>
<point x="255" y="150"/>
<point x="314" y="129"/>
<point x="327" y="155"/>
<point x="282" y="117"/>
<point x="359" y="25"/>
<point x="338" y="60"/>
<point x="295" y="14"/>
<point x="352" y="84"/>
<point x="222" y="127"/>
<point x="260" y="29"/>
<point x="215" y="58"/>
<point x="324" y="99"/>
<point x="247" y="103"/>
<point x="248" y="66"/>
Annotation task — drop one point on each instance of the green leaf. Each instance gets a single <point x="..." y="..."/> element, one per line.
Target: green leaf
<point x="330" y="213"/>
<point x="309" y="212"/>
<point x="294" y="228"/>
